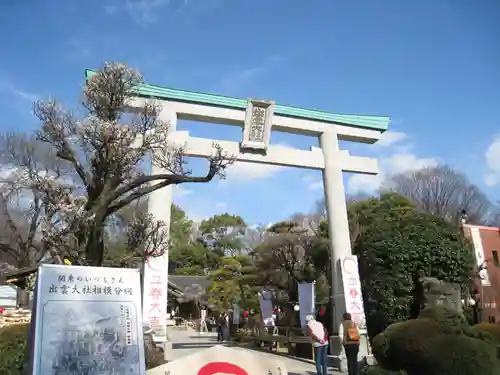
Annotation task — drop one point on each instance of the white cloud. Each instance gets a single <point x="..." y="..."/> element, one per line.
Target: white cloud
<point x="250" y="171"/>
<point x="180" y="191"/>
<point x="396" y="163"/>
<point x="243" y="171"/>
<point x="395" y="156"/>
<point x="14" y="90"/>
<point x="149" y="12"/>
<point x="143" y="12"/>
<point x="390" y="138"/>
<point x="233" y="81"/>
<point x="312" y="182"/>
<point x="316" y="185"/>
<point x="492" y="156"/>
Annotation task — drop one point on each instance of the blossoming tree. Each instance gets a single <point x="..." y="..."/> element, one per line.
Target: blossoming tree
<point x="106" y="152"/>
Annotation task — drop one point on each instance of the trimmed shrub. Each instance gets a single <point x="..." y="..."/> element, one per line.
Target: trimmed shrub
<point x="483" y="335"/>
<point x="380" y="348"/>
<point x="457" y="355"/>
<point x="446" y="316"/>
<point x="13" y="341"/>
<point x="407" y="342"/>
<point x="491" y="328"/>
<point x="377" y="370"/>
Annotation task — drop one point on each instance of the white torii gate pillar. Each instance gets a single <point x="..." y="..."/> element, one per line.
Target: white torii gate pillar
<point x="338" y="224"/>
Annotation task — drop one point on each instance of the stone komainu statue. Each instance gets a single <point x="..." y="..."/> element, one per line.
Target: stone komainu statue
<point x="429" y="291"/>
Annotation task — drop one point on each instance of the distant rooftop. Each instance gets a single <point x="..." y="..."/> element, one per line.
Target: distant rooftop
<point x="379" y="123"/>
<point x="183" y="282"/>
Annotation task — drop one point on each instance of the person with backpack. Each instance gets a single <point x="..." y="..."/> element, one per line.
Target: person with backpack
<point x="318" y="333"/>
<point x="350" y="340"/>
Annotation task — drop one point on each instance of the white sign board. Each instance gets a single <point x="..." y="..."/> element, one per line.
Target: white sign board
<point x="88" y="320"/>
<point x="155" y="295"/>
<point x="223" y="360"/>
<point x="352" y="290"/>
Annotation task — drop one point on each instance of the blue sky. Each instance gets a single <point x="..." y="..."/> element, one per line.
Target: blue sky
<point x="432" y="66"/>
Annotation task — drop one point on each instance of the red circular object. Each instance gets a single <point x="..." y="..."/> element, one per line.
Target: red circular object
<point x="2" y="310"/>
<point x="322" y="311"/>
<point x="245" y="314"/>
<point x="221" y="367"/>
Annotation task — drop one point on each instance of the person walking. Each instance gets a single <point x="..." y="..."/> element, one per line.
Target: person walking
<point x="350" y="340"/>
<point x="318" y="333"/>
<point x="225" y="327"/>
<point x="220" y="327"/>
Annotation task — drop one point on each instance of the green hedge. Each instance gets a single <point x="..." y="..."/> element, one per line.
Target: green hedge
<point x="447" y="317"/>
<point x="457" y="355"/>
<point x="405" y="342"/>
<point x="377" y="370"/>
<point x="13" y="340"/>
<point x="439" y="342"/>
<point x="380" y="349"/>
<point x="491" y="328"/>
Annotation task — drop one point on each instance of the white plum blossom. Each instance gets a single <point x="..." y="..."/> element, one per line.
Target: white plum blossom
<point x="105" y="151"/>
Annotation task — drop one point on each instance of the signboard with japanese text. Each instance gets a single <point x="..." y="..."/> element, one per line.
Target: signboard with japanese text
<point x="155" y="295"/>
<point x="352" y="290"/>
<point x="88" y="321"/>
<point x="223" y="360"/>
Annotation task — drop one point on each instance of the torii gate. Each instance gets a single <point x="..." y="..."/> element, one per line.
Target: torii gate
<point x="258" y="118"/>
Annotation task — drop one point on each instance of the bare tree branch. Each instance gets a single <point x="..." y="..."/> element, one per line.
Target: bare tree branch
<point x="106" y="151"/>
<point x="444" y="192"/>
<point x="21" y="209"/>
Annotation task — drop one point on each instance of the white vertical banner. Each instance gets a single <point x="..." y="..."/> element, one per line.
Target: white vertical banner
<point x="155" y="295"/>
<point x="236" y="314"/>
<point x="307" y="299"/>
<point x="155" y="287"/>
<point x="479" y="253"/>
<point x="352" y="290"/>
<point x="266" y="307"/>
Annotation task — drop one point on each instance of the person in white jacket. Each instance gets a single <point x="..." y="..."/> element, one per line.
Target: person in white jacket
<point x="319" y="335"/>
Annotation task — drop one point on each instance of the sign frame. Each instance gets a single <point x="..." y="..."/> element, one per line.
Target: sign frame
<point x="93" y="312"/>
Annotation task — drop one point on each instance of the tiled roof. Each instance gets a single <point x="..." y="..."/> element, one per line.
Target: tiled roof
<point x="182" y="281"/>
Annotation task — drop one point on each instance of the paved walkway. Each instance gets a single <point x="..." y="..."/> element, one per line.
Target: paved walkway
<point x="184" y="343"/>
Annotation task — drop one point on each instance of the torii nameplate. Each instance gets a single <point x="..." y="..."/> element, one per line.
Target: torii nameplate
<point x="258" y="123"/>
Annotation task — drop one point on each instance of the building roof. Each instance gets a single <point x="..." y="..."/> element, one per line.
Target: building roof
<point x="181" y="282"/>
<point x="379" y="123"/>
<point x="177" y="284"/>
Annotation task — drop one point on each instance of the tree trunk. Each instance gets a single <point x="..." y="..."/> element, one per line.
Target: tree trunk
<point x="22" y="298"/>
<point x="94" y="242"/>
